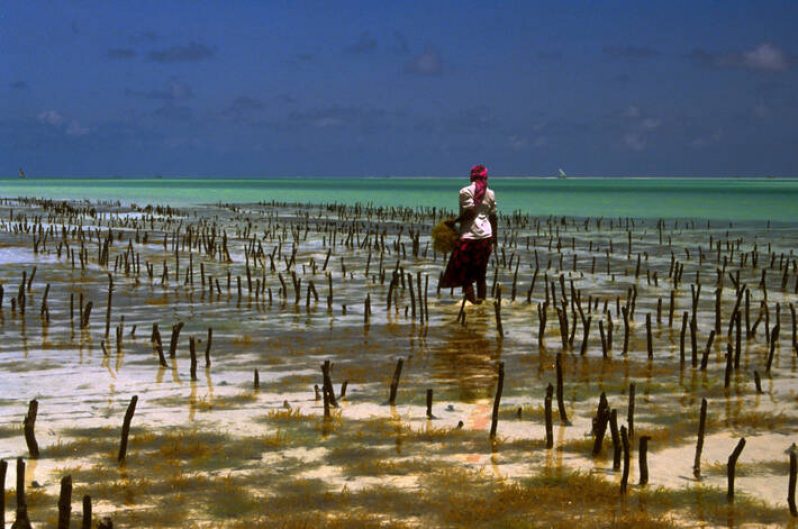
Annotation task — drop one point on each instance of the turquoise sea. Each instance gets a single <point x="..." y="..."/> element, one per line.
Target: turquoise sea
<point x="725" y="199"/>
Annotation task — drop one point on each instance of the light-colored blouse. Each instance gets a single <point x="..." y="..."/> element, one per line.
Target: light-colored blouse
<point x="480" y="227"/>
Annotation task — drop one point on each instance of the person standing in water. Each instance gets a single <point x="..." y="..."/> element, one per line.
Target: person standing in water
<point x="478" y="235"/>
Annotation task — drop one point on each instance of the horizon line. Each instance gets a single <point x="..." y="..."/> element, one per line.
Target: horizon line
<point x="405" y="177"/>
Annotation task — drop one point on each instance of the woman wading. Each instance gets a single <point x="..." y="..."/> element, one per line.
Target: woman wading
<point x="478" y="234"/>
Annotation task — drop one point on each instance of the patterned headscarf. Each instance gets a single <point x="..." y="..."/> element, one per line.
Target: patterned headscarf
<point x="479" y="175"/>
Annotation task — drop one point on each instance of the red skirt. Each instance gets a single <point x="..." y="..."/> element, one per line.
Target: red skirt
<point x="468" y="262"/>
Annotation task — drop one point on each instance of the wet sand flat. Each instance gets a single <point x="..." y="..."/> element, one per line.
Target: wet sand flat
<point x="273" y="290"/>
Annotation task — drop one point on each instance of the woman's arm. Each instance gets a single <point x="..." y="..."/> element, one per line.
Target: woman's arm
<point x="494" y="228"/>
<point x="466" y="215"/>
<point x="468" y="210"/>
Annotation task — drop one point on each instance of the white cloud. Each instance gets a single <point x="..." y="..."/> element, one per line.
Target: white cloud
<point x="704" y="141"/>
<point x="761" y="111"/>
<point x="51" y="117"/>
<point x="765" y="57"/>
<point x="638" y="127"/>
<point x="56" y="119"/>
<point x="634" y="141"/>
<point x="651" y="123"/>
<point x="76" y="129"/>
<point x="428" y="63"/>
<point x="328" y="121"/>
<point x="174" y="91"/>
<point x="632" y="111"/>
<point x="517" y="143"/>
<point x="179" y="90"/>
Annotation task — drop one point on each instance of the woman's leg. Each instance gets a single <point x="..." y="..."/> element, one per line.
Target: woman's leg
<point x="482" y="284"/>
<point x="468" y="290"/>
<point x="482" y="288"/>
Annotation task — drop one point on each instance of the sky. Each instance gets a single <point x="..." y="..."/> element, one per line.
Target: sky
<point x="373" y="88"/>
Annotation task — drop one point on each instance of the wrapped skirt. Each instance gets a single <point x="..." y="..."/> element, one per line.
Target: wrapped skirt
<point x="467" y="263"/>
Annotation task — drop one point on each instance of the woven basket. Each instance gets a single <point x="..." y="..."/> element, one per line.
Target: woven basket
<point x="443" y="237"/>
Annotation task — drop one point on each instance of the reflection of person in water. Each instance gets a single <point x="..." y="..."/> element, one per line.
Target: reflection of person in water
<point x="463" y="363"/>
<point x="478" y="234"/>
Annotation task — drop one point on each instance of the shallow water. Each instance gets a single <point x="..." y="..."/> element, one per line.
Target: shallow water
<point x="707" y="198"/>
<point x="83" y="393"/>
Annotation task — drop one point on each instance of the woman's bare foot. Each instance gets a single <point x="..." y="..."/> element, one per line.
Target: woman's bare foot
<point x="469" y="295"/>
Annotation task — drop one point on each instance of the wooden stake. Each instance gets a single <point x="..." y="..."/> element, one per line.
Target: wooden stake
<point x="617" y="448"/>
<point x="730" y="468"/>
<point x="705" y="357"/>
<point x="729" y="365"/>
<point x="3" y="471"/>
<point x="29" y="426"/>
<point x="192" y="349"/>
<point x="682" y="337"/>
<point x="702" y="425"/>
<point x="131" y="409"/>
<point x="173" y="341"/>
<point x="84" y="321"/>
<point x="625" y="445"/>
<point x="208" y="348"/>
<point x="671" y="307"/>
<point x="585" y="336"/>
<point x="395" y="382"/>
<point x="630" y="416"/>
<point x="327" y="387"/>
<point x="22" y="521"/>
<point x="65" y="502"/>
<point x="494" y="420"/>
<point x="560" y="391"/>
<point x="604" y="351"/>
<point x="108" y="308"/>
<point x="326" y="402"/>
<point x="625" y="331"/>
<point x="792" y="480"/>
<point x="86" y="520"/>
<point x="548" y="416"/>
<point x="738" y="348"/>
<point x="643" y="459"/>
<point x="542" y="320"/>
<point x="774" y="337"/>
<point x="156" y="339"/>
<point x="602" y="419"/>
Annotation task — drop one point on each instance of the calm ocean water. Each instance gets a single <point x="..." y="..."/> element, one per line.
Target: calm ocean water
<point x="737" y="199"/>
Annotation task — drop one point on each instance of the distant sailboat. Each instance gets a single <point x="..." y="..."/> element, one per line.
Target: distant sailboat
<point x="22" y="173"/>
<point x="562" y="175"/>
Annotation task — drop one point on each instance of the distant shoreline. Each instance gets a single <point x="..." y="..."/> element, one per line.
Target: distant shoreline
<point x="642" y="197"/>
<point x="458" y="177"/>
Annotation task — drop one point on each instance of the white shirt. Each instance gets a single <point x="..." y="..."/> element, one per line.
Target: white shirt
<point x="480" y="227"/>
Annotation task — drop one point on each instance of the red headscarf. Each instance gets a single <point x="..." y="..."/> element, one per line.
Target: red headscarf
<point x="479" y="175"/>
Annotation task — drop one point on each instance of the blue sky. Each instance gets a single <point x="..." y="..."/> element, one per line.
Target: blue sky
<point x="267" y="88"/>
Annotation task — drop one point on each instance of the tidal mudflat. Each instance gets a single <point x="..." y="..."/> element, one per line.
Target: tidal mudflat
<point x="292" y="365"/>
